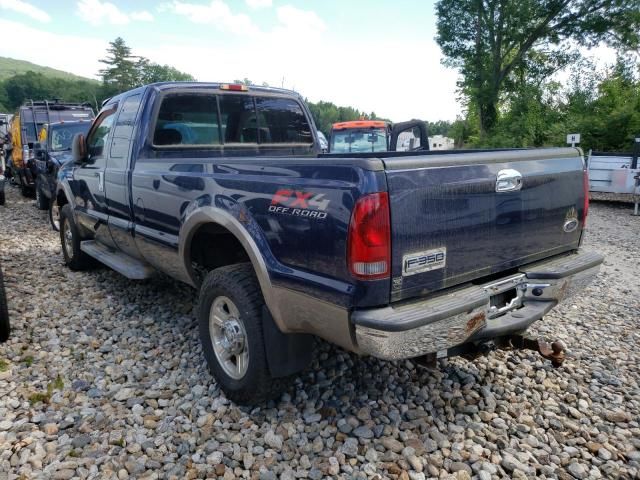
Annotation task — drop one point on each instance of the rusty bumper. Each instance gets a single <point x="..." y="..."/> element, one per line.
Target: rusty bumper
<point x="438" y="324"/>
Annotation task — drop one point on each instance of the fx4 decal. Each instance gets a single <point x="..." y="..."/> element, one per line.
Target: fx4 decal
<point x="299" y="204"/>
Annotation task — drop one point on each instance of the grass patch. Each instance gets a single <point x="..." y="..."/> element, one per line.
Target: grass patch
<point x="57" y="384"/>
<point x="4" y="365"/>
<point x="39" y="397"/>
<point x="28" y="360"/>
<point x="45" y="397"/>
<point x="74" y="454"/>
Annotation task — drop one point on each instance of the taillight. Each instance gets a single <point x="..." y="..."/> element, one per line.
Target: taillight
<point x="369" y="241"/>
<point x="585" y="207"/>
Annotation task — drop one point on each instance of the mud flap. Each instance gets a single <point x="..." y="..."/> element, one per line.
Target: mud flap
<point x="286" y="353"/>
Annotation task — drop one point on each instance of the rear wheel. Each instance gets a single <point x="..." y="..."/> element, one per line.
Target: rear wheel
<point x="42" y="202"/>
<point x="75" y="258"/>
<point x="2" y="197"/>
<point x="4" y="312"/>
<point x="54" y="215"/>
<point x="230" y="321"/>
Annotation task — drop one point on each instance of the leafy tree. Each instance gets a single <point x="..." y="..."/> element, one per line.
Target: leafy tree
<point x="121" y="72"/>
<point x="440" y="127"/>
<point x="125" y="71"/>
<point x="18" y="89"/>
<point x="493" y="41"/>
<point x="149" y="72"/>
<point x="325" y="114"/>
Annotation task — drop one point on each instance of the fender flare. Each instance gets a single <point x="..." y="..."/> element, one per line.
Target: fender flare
<point x="209" y="214"/>
<point x="66" y="190"/>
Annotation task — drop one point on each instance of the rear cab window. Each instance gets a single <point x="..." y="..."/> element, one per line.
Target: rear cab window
<point x="200" y="119"/>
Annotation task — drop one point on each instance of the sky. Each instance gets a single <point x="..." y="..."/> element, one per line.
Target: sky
<point x="373" y="55"/>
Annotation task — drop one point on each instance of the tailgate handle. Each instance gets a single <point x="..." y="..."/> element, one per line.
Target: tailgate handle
<point x="508" y="180"/>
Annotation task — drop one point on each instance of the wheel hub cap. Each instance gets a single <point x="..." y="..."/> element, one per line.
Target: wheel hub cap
<point x="55" y="214"/>
<point x="68" y="240"/>
<point x="228" y="337"/>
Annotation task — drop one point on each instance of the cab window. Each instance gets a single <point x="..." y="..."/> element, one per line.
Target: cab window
<point x="281" y="120"/>
<point x="187" y="119"/>
<point x="98" y="135"/>
<point x="238" y="119"/>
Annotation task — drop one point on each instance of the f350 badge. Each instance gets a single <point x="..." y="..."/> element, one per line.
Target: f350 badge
<point x="426" y="261"/>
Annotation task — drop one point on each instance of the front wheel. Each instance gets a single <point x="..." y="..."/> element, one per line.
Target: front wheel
<point x="2" y="196"/>
<point x="54" y="215"/>
<point x="25" y="190"/>
<point x="42" y="202"/>
<point x="230" y="323"/>
<point x="75" y="258"/>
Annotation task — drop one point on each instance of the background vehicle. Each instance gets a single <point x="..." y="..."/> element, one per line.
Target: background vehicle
<point x="4" y="139"/>
<point x="377" y="136"/>
<point x="51" y="151"/>
<point x="26" y="125"/>
<point x="396" y="254"/>
<point x="5" y="327"/>
<point x="323" y="142"/>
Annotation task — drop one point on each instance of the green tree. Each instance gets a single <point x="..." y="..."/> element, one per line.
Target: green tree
<point x="121" y="71"/>
<point x="491" y="40"/>
<point x="21" y="88"/>
<point x="149" y="72"/>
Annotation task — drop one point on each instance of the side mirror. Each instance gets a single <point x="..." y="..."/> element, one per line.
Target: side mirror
<point x="79" y="148"/>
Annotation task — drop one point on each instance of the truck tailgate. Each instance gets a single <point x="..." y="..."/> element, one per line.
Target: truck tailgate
<point x="451" y="225"/>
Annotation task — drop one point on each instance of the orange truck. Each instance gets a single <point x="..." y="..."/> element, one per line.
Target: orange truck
<point x="358" y="136"/>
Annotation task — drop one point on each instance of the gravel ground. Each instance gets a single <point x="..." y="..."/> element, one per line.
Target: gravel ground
<point x="104" y="378"/>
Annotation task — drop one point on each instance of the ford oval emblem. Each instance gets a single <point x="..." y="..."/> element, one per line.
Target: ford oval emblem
<point x="570" y="225"/>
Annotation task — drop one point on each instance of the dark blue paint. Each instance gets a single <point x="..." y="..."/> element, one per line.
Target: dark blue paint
<point x="451" y="206"/>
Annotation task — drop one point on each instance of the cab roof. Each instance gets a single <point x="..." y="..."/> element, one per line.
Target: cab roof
<point x="166" y="86"/>
<point x="360" y="124"/>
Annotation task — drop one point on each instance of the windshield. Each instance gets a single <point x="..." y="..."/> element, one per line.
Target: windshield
<point x="62" y="135"/>
<point x="359" y="140"/>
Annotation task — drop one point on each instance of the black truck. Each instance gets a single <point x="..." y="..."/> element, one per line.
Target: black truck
<point x="51" y="152"/>
<point x="26" y="126"/>
<point x="392" y="254"/>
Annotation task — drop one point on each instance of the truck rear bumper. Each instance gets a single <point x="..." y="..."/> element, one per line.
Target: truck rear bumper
<point x="473" y="314"/>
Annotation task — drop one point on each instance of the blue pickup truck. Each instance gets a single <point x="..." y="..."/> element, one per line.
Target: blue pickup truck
<point x="394" y="254"/>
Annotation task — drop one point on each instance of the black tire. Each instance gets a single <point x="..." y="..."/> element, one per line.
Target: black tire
<point x="42" y="202"/>
<point x="239" y="284"/>
<point x="54" y="215"/>
<point x="25" y="190"/>
<point x="5" y="328"/>
<point x="70" y="239"/>
<point x="3" y="198"/>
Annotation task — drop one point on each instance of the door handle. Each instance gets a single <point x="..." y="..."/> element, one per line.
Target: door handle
<point x="100" y="176"/>
<point x="508" y="180"/>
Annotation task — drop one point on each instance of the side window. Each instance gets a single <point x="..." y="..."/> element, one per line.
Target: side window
<point x="99" y="133"/>
<point x="408" y="140"/>
<point x="238" y="119"/>
<point x="124" y="126"/>
<point x="187" y="119"/>
<point x="281" y="120"/>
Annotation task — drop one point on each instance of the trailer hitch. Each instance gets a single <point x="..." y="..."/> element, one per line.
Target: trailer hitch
<point x="554" y="352"/>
